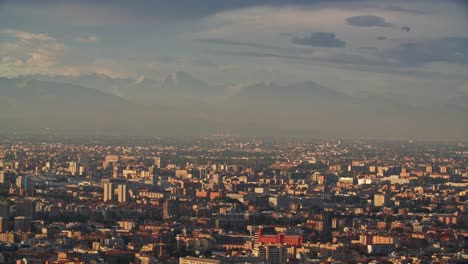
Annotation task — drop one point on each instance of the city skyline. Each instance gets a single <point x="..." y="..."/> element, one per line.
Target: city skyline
<point x="231" y="200"/>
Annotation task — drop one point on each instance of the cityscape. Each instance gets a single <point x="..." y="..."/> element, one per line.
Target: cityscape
<point x="233" y="131"/>
<point x="225" y="199"/>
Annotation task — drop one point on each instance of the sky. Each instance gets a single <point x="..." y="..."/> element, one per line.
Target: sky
<point x="413" y="50"/>
<point x="237" y="40"/>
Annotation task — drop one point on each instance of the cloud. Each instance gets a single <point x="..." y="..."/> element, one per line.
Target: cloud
<point x="450" y="49"/>
<point x="258" y="22"/>
<point x="320" y="39"/>
<point x="289" y="50"/>
<point x="407" y="29"/>
<point x="26" y="52"/>
<point x="26" y="35"/>
<point x="264" y="55"/>
<point x="368" y="21"/>
<point x="336" y="57"/>
<point x="403" y="9"/>
<point x="236" y="43"/>
<point x="91" y="39"/>
<point x="116" y="11"/>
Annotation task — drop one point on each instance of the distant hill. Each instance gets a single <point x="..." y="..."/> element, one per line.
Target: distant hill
<point x="178" y="84"/>
<point x="184" y="105"/>
<point x="32" y="104"/>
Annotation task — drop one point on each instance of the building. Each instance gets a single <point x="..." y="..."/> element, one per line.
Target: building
<point x="154" y="179"/>
<point x="22" y="224"/>
<point x="24" y="207"/>
<point x="2" y="177"/>
<point x="171" y="209"/>
<point x="273" y="254"/>
<point x="49" y="166"/>
<point x="73" y="168"/>
<point x="19" y="181"/>
<point x="273" y="238"/>
<point x="4" y="209"/>
<point x="122" y="193"/>
<point x="108" y="190"/>
<point x="157" y="162"/>
<point x="193" y="260"/>
<point x="380" y="200"/>
<point x="4" y="225"/>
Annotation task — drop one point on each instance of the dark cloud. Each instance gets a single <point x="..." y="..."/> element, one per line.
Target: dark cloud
<point x="344" y="61"/>
<point x="407" y="29"/>
<point x="450" y="50"/>
<point x="320" y="39"/>
<point x="381" y="38"/>
<point x="340" y="58"/>
<point x="267" y="55"/>
<point x="174" y="9"/>
<point x="403" y="9"/>
<point x="235" y="43"/>
<point x="368" y="21"/>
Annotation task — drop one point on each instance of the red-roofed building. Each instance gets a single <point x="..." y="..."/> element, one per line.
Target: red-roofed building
<point x="290" y="240"/>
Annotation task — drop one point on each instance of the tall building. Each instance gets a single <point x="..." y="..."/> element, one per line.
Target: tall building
<point x="73" y="168"/>
<point x="24" y="207"/>
<point x="203" y="173"/>
<point x="22" y="224"/>
<point x="122" y="193"/>
<point x="273" y="254"/>
<point x="49" y="166"/>
<point x="171" y="209"/>
<point x="157" y="162"/>
<point x="108" y="190"/>
<point x="380" y="199"/>
<point x="4" y="209"/>
<point x="3" y="178"/>
<point x="115" y="171"/>
<point x="151" y="170"/>
<point x="19" y="181"/>
<point x="4" y="225"/>
<point x="81" y="170"/>
<point x="154" y="180"/>
<point x="326" y="233"/>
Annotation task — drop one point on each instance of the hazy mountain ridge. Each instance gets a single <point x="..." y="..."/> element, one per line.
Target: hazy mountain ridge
<point x="256" y="109"/>
<point x="33" y="104"/>
<point x="180" y="84"/>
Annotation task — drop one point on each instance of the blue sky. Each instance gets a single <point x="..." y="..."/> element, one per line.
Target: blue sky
<point x="382" y="47"/>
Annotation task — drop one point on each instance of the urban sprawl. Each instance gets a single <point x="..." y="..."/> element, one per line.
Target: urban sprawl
<point x="233" y="200"/>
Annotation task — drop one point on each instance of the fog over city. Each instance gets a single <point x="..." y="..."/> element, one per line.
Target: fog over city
<point x="321" y="69"/>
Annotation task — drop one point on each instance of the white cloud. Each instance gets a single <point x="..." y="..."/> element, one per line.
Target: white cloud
<point x="268" y="20"/>
<point x="25" y="53"/>
<point x="29" y="53"/>
<point x="112" y="68"/>
<point x="26" y="35"/>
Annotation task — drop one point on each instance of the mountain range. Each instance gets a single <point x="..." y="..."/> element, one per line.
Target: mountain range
<point x="181" y="104"/>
